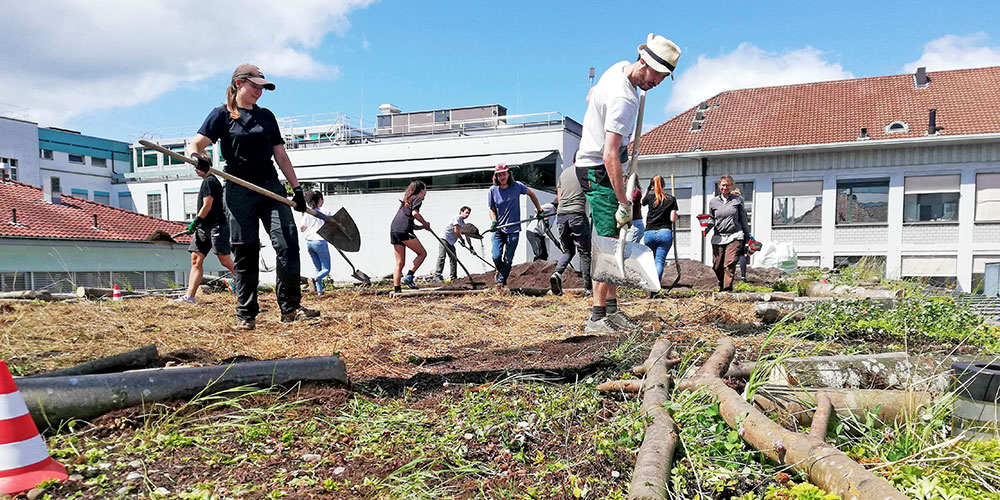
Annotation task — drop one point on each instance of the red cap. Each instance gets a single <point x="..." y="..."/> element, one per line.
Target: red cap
<point x="501" y="167"/>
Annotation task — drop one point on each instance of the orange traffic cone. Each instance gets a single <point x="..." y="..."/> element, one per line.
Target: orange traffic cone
<point x="24" y="459"/>
<point x="116" y="294"/>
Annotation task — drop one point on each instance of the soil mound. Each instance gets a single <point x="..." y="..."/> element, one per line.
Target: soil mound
<point x="533" y="275"/>
<point x="698" y="276"/>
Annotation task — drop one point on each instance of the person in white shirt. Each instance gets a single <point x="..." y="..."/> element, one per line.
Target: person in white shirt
<point x="317" y="246"/>
<point x="608" y="126"/>
<point x="449" y="235"/>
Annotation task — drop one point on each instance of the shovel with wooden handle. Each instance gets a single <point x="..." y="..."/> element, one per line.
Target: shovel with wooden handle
<point x="454" y="256"/>
<point x="621" y="262"/>
<point x="338" y="229"/>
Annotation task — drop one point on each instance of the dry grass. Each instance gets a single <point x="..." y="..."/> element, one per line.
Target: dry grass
<point x="374" y="334"/>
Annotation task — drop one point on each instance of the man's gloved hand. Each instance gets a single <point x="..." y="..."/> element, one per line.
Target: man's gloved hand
<point x="299" y="198"/>
<point x="202" y="162"/>
<point x="540" y="214"/>
<point x="193" y="226"/>
<point x="623" y="216"/>
<point x="493" y="226"/>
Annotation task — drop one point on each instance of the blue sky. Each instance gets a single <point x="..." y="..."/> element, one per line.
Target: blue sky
<point x="158" y="66"/>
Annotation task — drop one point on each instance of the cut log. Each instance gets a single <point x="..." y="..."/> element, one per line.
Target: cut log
<point x="433" y="292"/>
<point x="641" y="370"/>
<point x="631" y="386"/>
<point x="797" y="403"/>
<point x="143" y="357"/>
<point x="755" y="296"/>
<point x="892" y="370"/>
<point x="27" y="295"/>
<point x="772" y="312"/>
<point x="826" y="466"/>
<point x="818" y="289"/>
<point x="94" y="293"/>
<point x="656" y="455"/>
<point x="55" y="399"/>
<point x="821" y="418"/>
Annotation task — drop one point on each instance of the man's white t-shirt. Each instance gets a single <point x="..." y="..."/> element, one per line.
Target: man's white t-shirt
<point x="536" y="226"/>
<point x="613" y="105"/>
<point x="448" y="232"/>
<point x="313" y="224"/>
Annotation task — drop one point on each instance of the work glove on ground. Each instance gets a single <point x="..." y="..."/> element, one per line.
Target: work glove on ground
<point x="202" y="162"/>
<point x="193" y="226"/>
<point x="493" y="226"/>
<point x="299" y="198"/>
<point x="623" y="216"/>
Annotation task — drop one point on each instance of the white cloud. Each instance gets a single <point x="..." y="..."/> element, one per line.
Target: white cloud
<point x="747" y="67"/>
<point x="62" y="58"/>
<point x="956" y="52"/>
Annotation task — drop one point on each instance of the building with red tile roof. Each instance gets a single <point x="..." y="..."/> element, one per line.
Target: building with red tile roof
<point x="56" y="242"/>
<point x="903" y="169"/>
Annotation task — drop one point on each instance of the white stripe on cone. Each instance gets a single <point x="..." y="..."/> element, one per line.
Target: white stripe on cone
<point x="23" y="453"/>
<point x="12" y="406"/>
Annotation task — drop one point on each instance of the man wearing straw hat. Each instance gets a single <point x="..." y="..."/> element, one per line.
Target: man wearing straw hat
<point x="612" y="107"/>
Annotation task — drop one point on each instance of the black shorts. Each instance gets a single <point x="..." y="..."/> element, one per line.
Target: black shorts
<point x="206" y="238"/>
<point x="398" y="238"/>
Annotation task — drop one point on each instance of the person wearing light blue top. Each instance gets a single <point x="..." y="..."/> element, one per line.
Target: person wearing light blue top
<point x="505" y="208"/>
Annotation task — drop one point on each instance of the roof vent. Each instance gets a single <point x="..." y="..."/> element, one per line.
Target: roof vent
<point x="864" y="134"/>
<point x="695" y="126"/>
<point x="52" y="192"/>
<point x="13" y="218"/>
<point x="920" y="79"/>
<point x="389" y="109"/>
<point x="96" y="225"/>
<point x="932" y="126"/>
<point x="703" y="106"/>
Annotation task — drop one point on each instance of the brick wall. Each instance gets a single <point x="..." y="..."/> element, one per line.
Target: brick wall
<point x="945" y="235"/>
<point x="799" y="236"/>
<point x="861" y="235"/>
<point x="986" y="233"/>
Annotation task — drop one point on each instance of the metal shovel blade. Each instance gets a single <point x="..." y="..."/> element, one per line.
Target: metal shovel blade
<point x="639" y="268"/>
<point x="341" y="231"/>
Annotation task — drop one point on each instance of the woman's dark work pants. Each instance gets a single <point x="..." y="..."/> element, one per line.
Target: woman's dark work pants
<point x="246" y="211"/>
<point x="724" y="259"/>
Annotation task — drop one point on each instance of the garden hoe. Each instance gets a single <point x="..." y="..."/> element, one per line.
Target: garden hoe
<point x="621" y="262"/>
<point x="338" y="229"/>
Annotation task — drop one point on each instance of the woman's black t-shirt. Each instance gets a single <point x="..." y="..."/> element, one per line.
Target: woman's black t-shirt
<point x="658" y="216"/>
<point x="403" y="221"/>
<point x="247" y="143"/>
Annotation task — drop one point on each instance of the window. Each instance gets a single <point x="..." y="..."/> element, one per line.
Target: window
<point x="170" y="160"/>
<point x="149" y="159"/>
<point x="683" y="208"/>
<point x="384" y="121"/>
<point x="746" y="191"/>
<point x="153" y="206"/>
<point x="125" y="201"/>
<point x="45" y="154"/>
<point x="896" y="127"/>
<point x="931" y="198"/>
<point x="98" y="162"/>
<point x="442" y="116"/>
<point x="83" y="194"/>
<point x="935" y="265"/>
<point x="797" y="203"/>
<point x="988" y="197"/>
<point x="102" y="197"/>
<point x="76" y="158"/>
<point x="860" y="202"/>
<point x="190" y="205"/>
<point x="9" y="164"/>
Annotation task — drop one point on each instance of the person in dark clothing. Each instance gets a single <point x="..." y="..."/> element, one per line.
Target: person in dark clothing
<point x="574" y="229"/>
<point x="251" y="144"/>
<point x="402" y="236"/>
<point x="210" y="232"/>
<point x="660" y="219"/>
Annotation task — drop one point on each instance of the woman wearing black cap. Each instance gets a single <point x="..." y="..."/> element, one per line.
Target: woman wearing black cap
<point x="250" y="138"/>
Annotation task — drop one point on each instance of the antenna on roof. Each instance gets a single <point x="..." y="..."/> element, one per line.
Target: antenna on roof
<point x="591" y="76"/>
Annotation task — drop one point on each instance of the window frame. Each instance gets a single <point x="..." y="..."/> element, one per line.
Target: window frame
<point x="159" y="205"/>
<point x="103" y="162"/>
<point x="42" y="154"/>
<point x="816" y="206"/>
<point x="190" y="216"/>
<point x="880" y="181"/>
<point x="82" y="161"/>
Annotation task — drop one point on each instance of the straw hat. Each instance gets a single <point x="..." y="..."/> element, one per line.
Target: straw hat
<point x="660" y="54"/>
